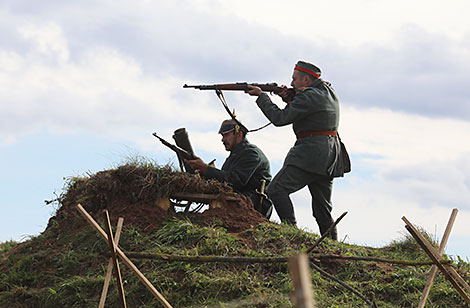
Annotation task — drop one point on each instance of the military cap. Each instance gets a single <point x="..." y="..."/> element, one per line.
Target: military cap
<point x="231" y="125"/>
<point x="308" y="68"/>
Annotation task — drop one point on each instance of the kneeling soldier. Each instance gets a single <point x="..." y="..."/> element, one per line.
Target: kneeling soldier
<point x="244" y="168"/>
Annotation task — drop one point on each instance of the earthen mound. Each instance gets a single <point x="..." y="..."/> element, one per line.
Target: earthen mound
<point x="134" y="192"/>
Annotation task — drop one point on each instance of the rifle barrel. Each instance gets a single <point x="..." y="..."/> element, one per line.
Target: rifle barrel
<point x="185" y="154"/>
<point x="243" y="86"/>
<point x="238" y="86"/>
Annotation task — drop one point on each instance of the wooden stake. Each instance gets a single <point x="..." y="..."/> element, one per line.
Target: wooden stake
<point x="202" y="198"/>
<point x="236" y="259"/>
<point x="112" y="247"/>
<point x="109" y="272"/>
<point x="324" y="235"/>
<point x="124" y="258"/>
<point x="300" y="275"/>
<point x="433" y="271"/>
<point x="448" y="271"/>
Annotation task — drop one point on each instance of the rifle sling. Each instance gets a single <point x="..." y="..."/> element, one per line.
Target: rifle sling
<point x="221" y="97"/>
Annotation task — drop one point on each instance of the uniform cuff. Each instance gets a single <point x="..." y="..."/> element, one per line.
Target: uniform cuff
<point x="262" y="98"/>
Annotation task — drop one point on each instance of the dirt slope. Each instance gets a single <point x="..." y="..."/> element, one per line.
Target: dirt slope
<point x="133" y="193"/>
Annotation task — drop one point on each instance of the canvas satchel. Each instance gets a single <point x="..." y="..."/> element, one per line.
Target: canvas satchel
<point x="342" y="164"/>
<point x="345" y="157"/>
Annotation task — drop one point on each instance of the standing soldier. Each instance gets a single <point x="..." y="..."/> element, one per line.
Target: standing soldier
<point x="313" y="161"/>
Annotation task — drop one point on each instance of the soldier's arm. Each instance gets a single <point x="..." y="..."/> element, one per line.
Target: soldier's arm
<point x="240" y="176"/>
<point x="297" y="108"/>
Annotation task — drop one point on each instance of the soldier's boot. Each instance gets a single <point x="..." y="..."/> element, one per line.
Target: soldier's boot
<point x="333" y="233"/>
<point x="283" y="206"/>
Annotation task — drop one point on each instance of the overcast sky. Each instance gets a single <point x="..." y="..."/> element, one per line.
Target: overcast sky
<point x="83" y="84"/>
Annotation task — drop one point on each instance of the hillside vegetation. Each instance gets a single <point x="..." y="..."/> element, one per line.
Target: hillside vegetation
<point x="65" y="265"/>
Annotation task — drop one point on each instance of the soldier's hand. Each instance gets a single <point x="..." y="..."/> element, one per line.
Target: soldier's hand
<point x="287" y="94"/>
<point x="284" y="92"/>
<point x="253" y="90"/>
<point x="197" y="164"/>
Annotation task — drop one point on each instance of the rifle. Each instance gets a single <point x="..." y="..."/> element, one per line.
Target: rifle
<point x="181" y="153"/>
<point x="243" y="86"/>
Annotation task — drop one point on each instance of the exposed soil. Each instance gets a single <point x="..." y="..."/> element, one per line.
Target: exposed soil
<point x="133" y="193"/>
<point x="235" y="216"/>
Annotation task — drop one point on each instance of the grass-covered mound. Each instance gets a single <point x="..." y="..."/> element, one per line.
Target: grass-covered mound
<point x="65" y="265"/>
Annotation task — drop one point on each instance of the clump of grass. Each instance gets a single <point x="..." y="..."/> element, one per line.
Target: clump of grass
<point x="5" y="246"/>
<point x="207" y="240"/>
<point x="407" y="246"/>
<point x="281" y="239"/>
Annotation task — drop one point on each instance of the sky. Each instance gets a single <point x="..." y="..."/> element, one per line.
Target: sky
<point x="84" y="84"/>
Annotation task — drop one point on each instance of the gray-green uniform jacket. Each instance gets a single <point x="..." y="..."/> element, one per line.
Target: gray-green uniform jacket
<point x="314" y="108"/>
<point x="243" y="169"/>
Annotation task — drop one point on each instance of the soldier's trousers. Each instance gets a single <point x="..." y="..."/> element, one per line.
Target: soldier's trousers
<point x="291" y="179"/>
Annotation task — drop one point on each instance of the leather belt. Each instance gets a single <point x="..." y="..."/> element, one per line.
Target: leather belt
<point x="317" y="133"/>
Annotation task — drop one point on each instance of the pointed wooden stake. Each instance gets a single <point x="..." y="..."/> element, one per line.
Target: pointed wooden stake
<point x="324" y="235"/>
<point x="449" y="272"/>
<point x="112" y="247"/>
<point x="124" y="258"/>
<point x="300" y="275"/>
<point x="433" y="271"/>
<point x="109" y="272"/>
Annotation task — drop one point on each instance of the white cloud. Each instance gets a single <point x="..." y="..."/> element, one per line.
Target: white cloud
<point x="104" y="92"/>
<point x="403" y="139"/>
<point x="48" y="39"/>
<point x="9" y="62"/>
<point x="352" y="22"/>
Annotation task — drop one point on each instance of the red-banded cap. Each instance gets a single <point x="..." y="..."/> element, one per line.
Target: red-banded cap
<point x="308" y="68"/>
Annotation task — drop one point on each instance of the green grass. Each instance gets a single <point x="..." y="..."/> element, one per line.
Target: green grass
<point x="5" y="246"/>
<point x="71" y="272"/>
<point x="66" y="264"/>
